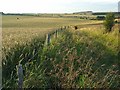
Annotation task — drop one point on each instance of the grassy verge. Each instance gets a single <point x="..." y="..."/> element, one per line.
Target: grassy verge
<point x="76" y="59"/>
<point x="25" y="54"/>
<point x="83" y="59"/>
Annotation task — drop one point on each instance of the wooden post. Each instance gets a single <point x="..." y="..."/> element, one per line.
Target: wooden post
<point x="65" y="27"/>
<point x="48" y="39"/>
<point x="20" y="76"/>
<point x="56" y="34"/>
<point x="61" y="28"/>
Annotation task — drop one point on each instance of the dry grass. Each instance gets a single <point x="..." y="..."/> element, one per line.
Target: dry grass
<point x="27" y="27"/>
<point x="79" y="59"/>
<point x="12" y="37"/>
<point x="82" y="58"/>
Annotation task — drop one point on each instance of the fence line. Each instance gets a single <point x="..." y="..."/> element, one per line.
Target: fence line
<point x="55" y="34"/>
<point x="47" y="42"/>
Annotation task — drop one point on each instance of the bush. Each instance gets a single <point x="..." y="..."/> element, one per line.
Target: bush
<point x="109" y="22"/>
<point x="100" y="17"/>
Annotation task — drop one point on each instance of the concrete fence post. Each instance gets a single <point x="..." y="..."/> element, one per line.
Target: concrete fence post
<point x="20" y="76"/>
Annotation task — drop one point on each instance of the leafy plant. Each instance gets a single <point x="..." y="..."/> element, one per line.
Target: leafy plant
<point x="109" y="22"/>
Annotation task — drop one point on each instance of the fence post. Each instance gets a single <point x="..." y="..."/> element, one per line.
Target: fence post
<point x="61" y="28"/>
<point x="68" y="26"/>
<point x="48" y="39"/>
<point x="20" y="76"/>
<point x="65" y="27"/>
<point x="56" y="34"/>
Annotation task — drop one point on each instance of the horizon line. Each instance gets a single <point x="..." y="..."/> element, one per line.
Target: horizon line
<point x="57" y="12"/>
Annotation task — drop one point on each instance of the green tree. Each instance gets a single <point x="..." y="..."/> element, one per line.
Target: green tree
<point x="109" y="22"/>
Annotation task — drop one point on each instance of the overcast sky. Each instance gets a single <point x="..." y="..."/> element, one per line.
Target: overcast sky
<point x="57" y="6"/>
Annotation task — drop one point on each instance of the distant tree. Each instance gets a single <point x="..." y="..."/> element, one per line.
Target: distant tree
<point x="109" y="22"/>
<point x="100" y="17"/>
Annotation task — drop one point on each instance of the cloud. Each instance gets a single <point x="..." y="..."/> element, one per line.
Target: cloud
<point x="51" y="5"/>
<point x="82" y="1"/>
<point x="112" y="1"/>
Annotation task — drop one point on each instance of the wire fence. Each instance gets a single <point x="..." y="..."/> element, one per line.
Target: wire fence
<point x="49" y="36"/>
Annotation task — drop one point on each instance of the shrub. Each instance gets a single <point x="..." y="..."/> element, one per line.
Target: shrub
<point x="109" y="22"/>
<point x="100" y="17"/>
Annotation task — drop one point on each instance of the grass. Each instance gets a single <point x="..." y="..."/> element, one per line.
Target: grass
<point x="82" y="58"/>
<point x="27" y="27"/>
<point x="35" y="22"/>
<point x="1" y="66"/>
<point x="0" y="76"/>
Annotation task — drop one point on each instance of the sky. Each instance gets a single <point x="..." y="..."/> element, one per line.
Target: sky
<point x="57" y="6"/>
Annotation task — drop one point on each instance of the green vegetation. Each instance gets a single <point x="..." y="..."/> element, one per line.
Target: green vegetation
<point x="109" y="22"/>
<point x="82" y="58"/>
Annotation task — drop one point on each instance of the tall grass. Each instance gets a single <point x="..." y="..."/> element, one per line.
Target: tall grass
<point x="84" y="58"/>
<point x="78" y="60"/>
<point x="24" y="54"/>
<point x="25" y="28"/>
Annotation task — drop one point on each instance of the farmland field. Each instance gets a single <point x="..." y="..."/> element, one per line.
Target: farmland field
<point x="82" y="58"/>
<point x="22" y="29"/>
